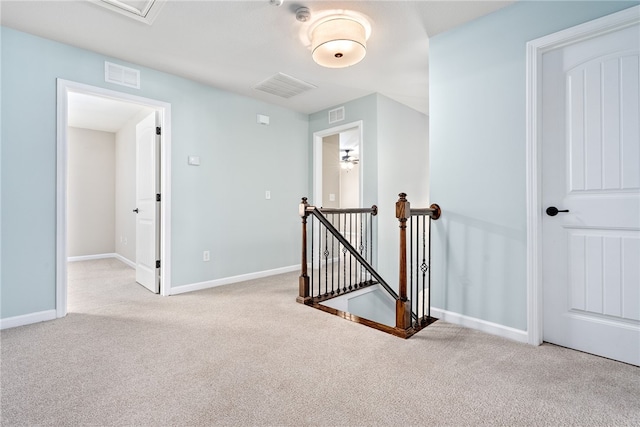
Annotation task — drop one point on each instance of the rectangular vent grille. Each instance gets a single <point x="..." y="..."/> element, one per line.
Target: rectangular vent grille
<point x="141" y="10"/>
<point x="124" y="76"/>
<point x="336" y="115"/>
<point x="284" y="86"/>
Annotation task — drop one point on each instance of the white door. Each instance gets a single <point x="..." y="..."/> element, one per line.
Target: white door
<point x="147" y="208"/>
<point x="591" y="168"/>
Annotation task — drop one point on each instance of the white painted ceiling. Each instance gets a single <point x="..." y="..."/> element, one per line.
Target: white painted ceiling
<point x="97" y="113"/>
<point x="234" y="45"/>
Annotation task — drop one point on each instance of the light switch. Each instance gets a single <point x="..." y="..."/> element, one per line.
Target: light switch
<point x="267" y="195"/>
<point x="332" y="197"/>
<point x="194" y="160"/>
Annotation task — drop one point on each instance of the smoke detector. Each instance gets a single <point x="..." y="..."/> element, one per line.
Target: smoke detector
<point x="303" y="14"/>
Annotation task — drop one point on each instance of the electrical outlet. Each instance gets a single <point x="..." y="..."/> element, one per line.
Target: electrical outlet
<point x="206" y="256"/>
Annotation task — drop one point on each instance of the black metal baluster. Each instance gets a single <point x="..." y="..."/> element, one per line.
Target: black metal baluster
<point x="320" y="262"/>
<point x="326" y="261"/>
<point x="350" y="254"/>
<point x="333" y="240"/>
<point x="411" y="230"/>
<point x="338" y="269"/>
<point x="344" y="258"/>
<point x="313" y="235"/>
<point x="429" y="287"/>
<point x="361" y="247"/>
<point x="424" y="229"/>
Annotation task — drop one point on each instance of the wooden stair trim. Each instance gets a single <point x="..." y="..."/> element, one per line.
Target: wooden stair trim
<point x="401" y="333"/>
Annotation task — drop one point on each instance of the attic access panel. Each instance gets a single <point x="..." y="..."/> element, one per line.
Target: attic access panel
<point x="141" y="10"/>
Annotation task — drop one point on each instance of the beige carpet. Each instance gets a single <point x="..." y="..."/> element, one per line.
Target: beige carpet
<point x="248" y="354"/>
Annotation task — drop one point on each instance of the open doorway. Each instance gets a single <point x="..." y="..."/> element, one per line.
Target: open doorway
<point x="97" y="176"/>
<point x="338" y="166"/>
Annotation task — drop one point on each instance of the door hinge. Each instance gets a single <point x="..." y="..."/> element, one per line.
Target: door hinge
<point x="158" y="197"/>
<point x="158" y="130"/>
<point x="157" y="263"/>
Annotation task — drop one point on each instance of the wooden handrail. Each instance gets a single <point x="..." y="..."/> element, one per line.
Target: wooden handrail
<point x="373" y="210"/>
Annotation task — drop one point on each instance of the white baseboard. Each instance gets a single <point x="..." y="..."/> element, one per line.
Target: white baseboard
<point x="27" y="319"/>
<point x="90" y="257"/>
<point x="125" y="260"/>
<point x="481" y="325"/>
<point x="102" y="256"/>
<point x="175" y="290"/>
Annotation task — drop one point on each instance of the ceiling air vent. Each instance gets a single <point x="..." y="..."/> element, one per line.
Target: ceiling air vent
<point x="336" y="115"/>
<point x="141" y="10"/>
<point x="124" y="76"/>
<point x="284" y="86"/>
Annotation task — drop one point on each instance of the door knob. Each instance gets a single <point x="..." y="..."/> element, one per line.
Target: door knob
<point x="136" y="210"/>
<point x="553" y="211"/>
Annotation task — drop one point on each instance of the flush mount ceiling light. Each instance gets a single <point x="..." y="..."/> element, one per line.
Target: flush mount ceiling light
<point x="339" y="40"/>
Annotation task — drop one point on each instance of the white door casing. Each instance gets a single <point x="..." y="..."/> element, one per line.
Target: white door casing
<point x="584" y="274"/>
<point x="147" y="207"/>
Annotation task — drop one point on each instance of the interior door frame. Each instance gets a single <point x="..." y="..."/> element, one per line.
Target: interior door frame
<point x="63" y="88"/>
<point x="535" y="49"/>
<point x="317" y="158"/>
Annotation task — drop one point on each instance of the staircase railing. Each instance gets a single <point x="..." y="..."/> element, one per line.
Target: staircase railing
<point x="413" y="309"/>
<point x="341" y="251"/>
<point x="339" y="254"/>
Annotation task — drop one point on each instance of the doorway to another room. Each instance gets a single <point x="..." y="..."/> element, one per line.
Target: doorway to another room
<point x="338" y="166"/>
<point x="113" y="192"/>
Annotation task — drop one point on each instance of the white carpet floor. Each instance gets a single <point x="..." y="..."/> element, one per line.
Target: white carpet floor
<point x="248" y="355"/>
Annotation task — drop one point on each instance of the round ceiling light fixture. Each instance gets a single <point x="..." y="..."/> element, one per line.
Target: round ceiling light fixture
<point x="339" y="41"/>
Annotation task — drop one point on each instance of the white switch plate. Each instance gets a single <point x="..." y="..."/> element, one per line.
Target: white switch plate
<point x="194" y="160"/>
<point x="206" y="256"/>
<point x="332" y="197"/>
<point x="267" y="195"/>
<point x="263" y="120"/>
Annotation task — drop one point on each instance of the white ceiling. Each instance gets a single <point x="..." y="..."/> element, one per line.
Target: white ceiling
<point x="233" y="45"/>
<point x="97" y="113"/>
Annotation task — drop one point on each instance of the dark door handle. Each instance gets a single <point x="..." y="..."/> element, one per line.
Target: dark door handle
<point x="553" y="211"/>
<point x="136" y="210"/>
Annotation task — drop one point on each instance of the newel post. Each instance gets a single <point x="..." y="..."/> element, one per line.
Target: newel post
<point x="403" y="306"/>
<point x="303" y="281"/>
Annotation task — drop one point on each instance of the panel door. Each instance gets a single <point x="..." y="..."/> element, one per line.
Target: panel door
<point x="147" y="216"/>
<point x="591" y="167"/>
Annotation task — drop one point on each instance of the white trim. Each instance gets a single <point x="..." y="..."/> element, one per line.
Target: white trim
<point x="480" y="325"/>
<point x="27" y="319"/>
<point x="90" y="257"/>
<point x="125" y="260"/>
<point x="535" y="49"/>
<point x="232" y="279"/>
<point x="63" y="88"/>
<point x="102" y="256"/>
<point x="317" y="158"/>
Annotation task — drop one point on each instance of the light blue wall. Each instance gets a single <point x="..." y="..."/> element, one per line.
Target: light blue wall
<point x="477" y="152"/>
<point x="403" y="153"/>
<point x="218" y="206"/>
<point x="364" y="109"/>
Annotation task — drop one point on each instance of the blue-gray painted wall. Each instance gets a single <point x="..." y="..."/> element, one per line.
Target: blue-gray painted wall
<point x="218" y="206"/>
<point x="477" y="155"/>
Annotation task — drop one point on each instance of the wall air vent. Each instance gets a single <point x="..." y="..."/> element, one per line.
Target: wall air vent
<point x="284" y="86"/>
<point x="124" y="76"/>
<point x="141" y="10"/>
<point x="336" y="115"/>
